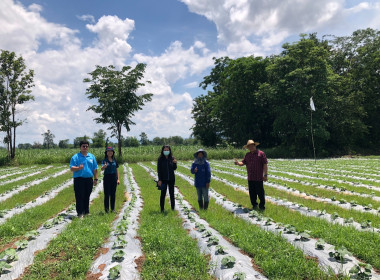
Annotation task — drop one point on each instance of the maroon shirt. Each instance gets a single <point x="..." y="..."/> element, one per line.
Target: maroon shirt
<point x="255" y="165"/>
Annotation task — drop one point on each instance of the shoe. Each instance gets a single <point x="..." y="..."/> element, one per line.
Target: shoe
<point x="81" y="217"/>
<point x="205" y="205"/>
<point x="106" y="211"/>
<point x="112" y="211"/>
<point x="200" y="203"/>
<point x="262" y="208"/>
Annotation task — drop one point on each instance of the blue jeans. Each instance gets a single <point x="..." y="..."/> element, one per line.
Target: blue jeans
<point x="202" y="194"/>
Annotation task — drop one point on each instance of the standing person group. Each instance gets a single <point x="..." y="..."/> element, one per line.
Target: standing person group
<point x="202" y="171"/>
<point x="166" y="164"/>
<point x="257" y="169"/>
<point x="85" y="174"/>
<point x="110" y="179"/>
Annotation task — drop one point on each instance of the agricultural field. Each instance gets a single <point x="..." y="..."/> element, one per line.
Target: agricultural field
<point x="322" y="221"/>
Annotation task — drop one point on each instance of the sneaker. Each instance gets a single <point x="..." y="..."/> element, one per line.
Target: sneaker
<point x="262" y="208"/>
<point x="112" y="211"/>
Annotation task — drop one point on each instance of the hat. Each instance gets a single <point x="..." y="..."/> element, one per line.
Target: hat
<point x="250" y="142"/>
<point x="200" y="151"/>
<point x="110" y="149"/>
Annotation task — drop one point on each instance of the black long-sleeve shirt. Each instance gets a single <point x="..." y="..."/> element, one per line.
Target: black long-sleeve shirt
<point x="165" y="169"/>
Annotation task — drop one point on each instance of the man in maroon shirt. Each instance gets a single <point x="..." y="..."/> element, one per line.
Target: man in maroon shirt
<point x="257" y="170"/>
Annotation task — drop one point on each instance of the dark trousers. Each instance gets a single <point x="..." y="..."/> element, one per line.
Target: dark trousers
<point x="256" y="188"/>
<point x="109" y="184"/>
<point x="169" y="184"/>
<point x="83" y="189"/>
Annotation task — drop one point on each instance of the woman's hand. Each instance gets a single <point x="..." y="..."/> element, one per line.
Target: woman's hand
<point x="174" y="160"/>
<point x="159" y="183"/>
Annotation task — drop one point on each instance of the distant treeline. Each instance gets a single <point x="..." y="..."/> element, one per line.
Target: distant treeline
<point x="268" y="99"/>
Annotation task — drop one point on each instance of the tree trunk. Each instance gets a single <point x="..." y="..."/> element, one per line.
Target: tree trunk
<point x="119" y="141"/>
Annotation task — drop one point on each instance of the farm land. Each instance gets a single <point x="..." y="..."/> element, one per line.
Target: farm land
<point x="322" y="221"/>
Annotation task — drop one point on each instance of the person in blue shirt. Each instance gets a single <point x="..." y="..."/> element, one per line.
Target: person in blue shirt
<point x="202" y="171"/>
<point x="110" y="179"/>
<point x="84" y="168"/>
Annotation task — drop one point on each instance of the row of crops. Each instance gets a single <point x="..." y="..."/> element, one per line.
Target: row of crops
<point x="322" y="221"/>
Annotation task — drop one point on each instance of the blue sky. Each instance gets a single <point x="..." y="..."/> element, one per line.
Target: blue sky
<point x="62" y="41"/>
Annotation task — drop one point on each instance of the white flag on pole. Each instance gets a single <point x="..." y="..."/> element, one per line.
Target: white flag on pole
<point x="312" y="104"/>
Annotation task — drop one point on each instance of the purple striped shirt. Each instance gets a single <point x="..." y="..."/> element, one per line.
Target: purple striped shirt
<point x="255" y="165"/>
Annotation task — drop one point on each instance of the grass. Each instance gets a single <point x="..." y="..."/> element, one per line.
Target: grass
<point x="70" y="255"/>
<point x="34" y="191"/>
<point x="277" y="258"/>
<point x="170" y="253"/>
<point x="366" y="249"/>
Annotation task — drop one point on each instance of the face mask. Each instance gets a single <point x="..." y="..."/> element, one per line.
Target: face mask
<point x="166" y="153"/>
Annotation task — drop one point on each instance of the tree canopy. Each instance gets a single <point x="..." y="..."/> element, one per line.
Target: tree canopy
<point x="116" y="95"/>
<point x="267" y="99"/>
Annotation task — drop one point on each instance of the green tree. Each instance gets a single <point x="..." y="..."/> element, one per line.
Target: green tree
<point x="144" y="139"/>
<point x="206" y="128"/>
<point x="48" y="139"/>
<point x="99" y="139"/>
<point x="301" y="71"/>
<point x="78" y="139"/>
<point x="63" y="144"/>
<point x="15" y="88"/>
<point x="115" y="92"/>
<point x="131" y="142"/>
<point x="356" y="60"/>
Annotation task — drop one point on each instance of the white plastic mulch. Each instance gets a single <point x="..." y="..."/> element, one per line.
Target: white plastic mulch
<point x="45" y="235"/>
<point x="38" y="201"/>
<point x="303" y="210"/>
<point x="128" y="268"/>
<point x="296" y="192"/>
<point x="11" y="193"/>
<point x="192" y="222"/>
<point x="307" y="246"/>
<point x="25" y="176"/>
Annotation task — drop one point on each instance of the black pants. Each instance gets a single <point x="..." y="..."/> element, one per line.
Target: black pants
<point x="169" y="184"/>
<point x="109" y="184"/>
<point x="83" y="189"/>
<point x="256" y="188"/>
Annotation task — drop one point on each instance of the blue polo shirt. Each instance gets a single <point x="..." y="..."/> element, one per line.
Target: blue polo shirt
<point x="89" y="165"/>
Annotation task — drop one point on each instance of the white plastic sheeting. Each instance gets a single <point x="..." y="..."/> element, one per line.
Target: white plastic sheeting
<point x="102" y="265"/>
<point x="45" y="235"/>
<point x="308" y="247"/>
<point x="38" y="201"/>
<point x="25" y="176"/>
<point x="28" y="185"/>
<point x="243" y="263"/>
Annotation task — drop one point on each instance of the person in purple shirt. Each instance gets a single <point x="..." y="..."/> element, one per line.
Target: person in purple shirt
<point x="257" y="169"/>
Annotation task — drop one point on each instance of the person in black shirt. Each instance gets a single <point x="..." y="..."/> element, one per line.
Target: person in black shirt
<point x="110" y="179"/>
<point x="166" y="165"/>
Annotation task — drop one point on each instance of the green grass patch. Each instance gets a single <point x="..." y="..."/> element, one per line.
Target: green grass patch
<point x="170" y="253"/>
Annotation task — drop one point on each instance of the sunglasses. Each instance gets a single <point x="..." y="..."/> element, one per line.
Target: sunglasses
<point x="84" y="146"/>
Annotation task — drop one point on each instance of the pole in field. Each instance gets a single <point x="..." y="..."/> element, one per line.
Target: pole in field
<point x="312" y="108"/>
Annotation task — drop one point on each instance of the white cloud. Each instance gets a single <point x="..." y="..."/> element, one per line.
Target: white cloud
<point x="89" y="18"/>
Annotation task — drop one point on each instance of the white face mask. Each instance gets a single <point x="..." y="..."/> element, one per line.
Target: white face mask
<point x="166" y="153"/>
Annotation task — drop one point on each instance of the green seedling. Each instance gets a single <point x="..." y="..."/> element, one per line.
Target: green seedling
<point x="303" y="236"/>
<point x="289" y="229"/>
<point x="208" y="233"/>
<point x="118" y="255"/>
<point x="21" y="244"/>
<point x="9" y="255"/>
<point x="120" y="242"/>
<point x="239" y="276"/>
<point x="320" y="244"/>
<point x="4" y="266"/>
<point x="366" y="224"/>
<point x="114" y="272"/>
<point x="340" y="254"/>
<point x="229" y="261"/>
<point x="220" y="250"/>
<point x="213" y="240"/>
<point x="368" y="207"/>
<point x="349" y="220"/>
<point x="361" y="271"/>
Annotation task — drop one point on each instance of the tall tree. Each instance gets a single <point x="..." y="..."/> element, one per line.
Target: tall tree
<point x="48" y="139"/>
<point x="78" y="139"/>
<point x="115" y="92"/>
<point x="99" y="139"/>
<point x="15" y="88"/>
<point x="144" y="139"/>
<point x="63" y="144"/>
